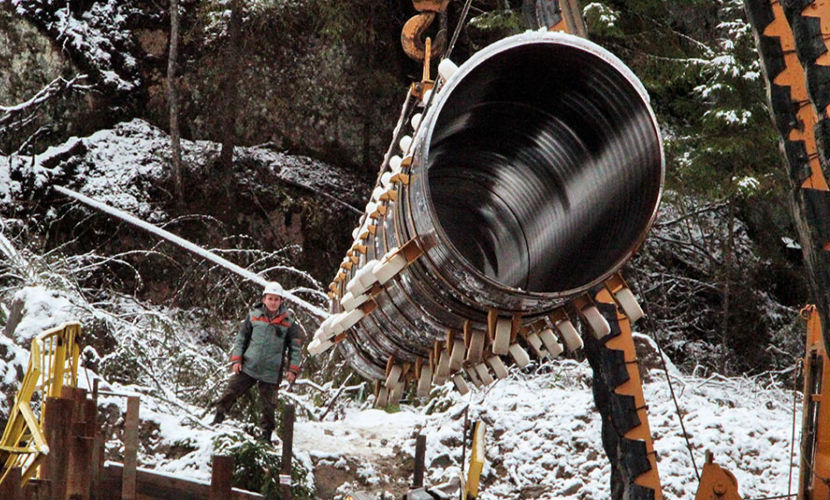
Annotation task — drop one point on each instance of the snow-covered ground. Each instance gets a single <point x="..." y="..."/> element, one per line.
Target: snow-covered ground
<point x="542" y="439"/>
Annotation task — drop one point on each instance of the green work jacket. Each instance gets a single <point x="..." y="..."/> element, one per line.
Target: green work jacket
<point x="262" y="340"/>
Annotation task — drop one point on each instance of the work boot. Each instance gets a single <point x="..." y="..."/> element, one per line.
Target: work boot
<point x="219" y="417"/>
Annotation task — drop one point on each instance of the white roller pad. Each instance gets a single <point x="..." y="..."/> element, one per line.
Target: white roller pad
<point x="348" y="320"/>
<point x="599" y="325"/>
<point x="386" y="180"/>
<point x="395" y="164"/>
<point x="501" y="342"/>
<point x="349" y="301"/>
<point x="629" y="305"/>
<point x="484" y="374"/>
<point x="519" y="355"/>
<point x="405" y="143"/>
<point x="549" y="339"/>
<point x="393" y="377"/>
<point x="427" y="95"/>
<point x="497" y="365"/>
<point x="460" y="384"/>
<point x="316" y="347"/>
<point x="536" y="344"/>
<point x="415" y="121"/>
<point x="365" y="274"/>
<point x="569" y="334"/>
<point x="336" y="327"/>
<point x="388" y="267"/>
<point x="353" y="286"/>
<point x="424" y="381"/>
<point x="376" y="193"/>
<point x="447" y="68"/>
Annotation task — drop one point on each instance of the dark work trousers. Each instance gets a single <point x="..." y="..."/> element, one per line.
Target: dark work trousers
<point x="238" y="385"/>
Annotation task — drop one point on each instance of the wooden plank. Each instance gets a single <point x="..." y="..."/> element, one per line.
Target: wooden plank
<point x="128" y="484"/>
<point x="151" y="485"/>
<point x="220" y="478"/>
<point x="10" y="487"/>
<point x="37" y="489"/>
<point x="80" y="462"/>
<point x="57" y="431"/>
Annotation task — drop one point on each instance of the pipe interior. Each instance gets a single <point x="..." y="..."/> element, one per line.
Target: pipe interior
<point x="544" y="168"/>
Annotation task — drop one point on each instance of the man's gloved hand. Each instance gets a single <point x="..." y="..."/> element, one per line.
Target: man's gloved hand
<point x="237" y="367"/>
<point x="291" y="373"/>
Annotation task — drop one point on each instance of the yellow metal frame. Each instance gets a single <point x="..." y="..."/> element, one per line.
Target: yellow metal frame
<point x="53" y="363"/>
<point x="476" y="462"/>
<point x="814" y="471"/>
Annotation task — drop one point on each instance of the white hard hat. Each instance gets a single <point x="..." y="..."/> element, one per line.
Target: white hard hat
<point x="273" y="288"/>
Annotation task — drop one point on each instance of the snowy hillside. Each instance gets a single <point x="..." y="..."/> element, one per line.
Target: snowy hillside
<point x="542" y="440"/>
<point x="543" y="437"/>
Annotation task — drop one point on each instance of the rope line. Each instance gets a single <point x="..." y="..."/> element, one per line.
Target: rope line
<point x="652" y="327"/>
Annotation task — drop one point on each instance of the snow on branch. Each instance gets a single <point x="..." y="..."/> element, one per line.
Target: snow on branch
<point x="20" y="115"/>
<point x="187" y="245"/>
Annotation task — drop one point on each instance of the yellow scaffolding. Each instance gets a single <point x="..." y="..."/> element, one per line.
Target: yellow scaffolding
<point x="53" y="363"/>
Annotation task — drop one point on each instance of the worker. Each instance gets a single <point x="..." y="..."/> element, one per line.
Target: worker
<point x="268" y="336"/>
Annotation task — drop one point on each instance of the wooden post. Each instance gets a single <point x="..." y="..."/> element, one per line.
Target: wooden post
<point x="80" y="462"/>
<point x="287" y="436"/>
<point x="37" y="489"/>
<point x="97" y="445"/>
<point x="96" y="476"/>
<point x="420" y="452"/>
<point x="78" y="395"/>
<point x="56" y="425"/>
<point x="10" y="487"/>
<point x="128" y="481"/>
<point x="220" y="478"/>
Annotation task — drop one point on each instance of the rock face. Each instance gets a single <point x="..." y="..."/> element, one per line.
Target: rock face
<point x="28" y="59"/>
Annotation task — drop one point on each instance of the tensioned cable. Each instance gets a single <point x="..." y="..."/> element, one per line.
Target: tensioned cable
<point x="652" y="327"/>
<point x="798" y="368"/>
<point x="458" y="27"/>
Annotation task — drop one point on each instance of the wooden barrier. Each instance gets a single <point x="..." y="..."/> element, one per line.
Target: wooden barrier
<point x="220" y="477"/>
<point x="58" y="414"/>
<point x="10" y="488"/>
<point x="38" y="489"/>
<point x="81" y="447"/>
<point x="128" y="484"/>
<point x="159" y="486"/>
<point x="287" y="436"/>
<point x="420" y="452"/>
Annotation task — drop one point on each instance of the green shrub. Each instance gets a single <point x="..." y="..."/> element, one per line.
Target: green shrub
<point x="257" y="467"/>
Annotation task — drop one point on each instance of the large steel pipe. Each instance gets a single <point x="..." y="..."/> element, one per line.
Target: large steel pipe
<point x="533" y="176"/>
